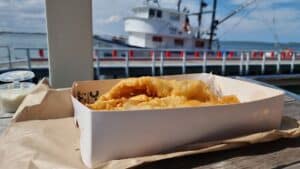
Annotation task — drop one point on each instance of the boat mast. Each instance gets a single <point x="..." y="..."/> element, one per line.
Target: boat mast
<point x="202" y="5"/>
<point x="213" y="24"/>
<point x="178" y="5"/>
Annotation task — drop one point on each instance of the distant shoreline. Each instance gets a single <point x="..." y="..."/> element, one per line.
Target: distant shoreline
<point x="222" y="41"/>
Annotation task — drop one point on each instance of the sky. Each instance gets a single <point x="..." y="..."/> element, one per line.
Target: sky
<point x="264" y="20"/>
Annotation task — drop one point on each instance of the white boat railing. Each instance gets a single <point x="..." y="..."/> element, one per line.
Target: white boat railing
<point x="162" y="58"/>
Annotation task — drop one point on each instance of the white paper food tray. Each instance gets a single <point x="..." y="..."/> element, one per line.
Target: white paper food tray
<point x="110" y="135"/>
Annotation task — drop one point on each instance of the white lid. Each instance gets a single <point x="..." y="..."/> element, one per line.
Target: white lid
<point x="19" y="75"/>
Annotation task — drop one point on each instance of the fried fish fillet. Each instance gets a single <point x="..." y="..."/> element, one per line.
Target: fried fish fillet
<point x="154" y="93"/>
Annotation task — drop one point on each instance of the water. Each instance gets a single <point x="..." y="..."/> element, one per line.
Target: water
<point x="38" y="40"/>
<point x="258" y="46"/>
<point x="21" y="40"/>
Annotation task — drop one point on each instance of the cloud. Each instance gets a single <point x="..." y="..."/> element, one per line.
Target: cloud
<point x="267" y="17"/>
<point x="22" y="16"/>
<point x="109" y="20"/>
<point x="266" y="21"/>
<point x="4" y="3"/>
<point x="264" y="3"/>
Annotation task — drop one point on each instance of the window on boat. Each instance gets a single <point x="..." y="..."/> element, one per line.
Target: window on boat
<point x="173" y="30"/>
<point x="159" y="13"/>
<point x="157" y="39"/>
<point x="199" y="44"/>
<point x="151" y="13"/>
<point x="174" y="16"/>
<point x="178" y="42"/>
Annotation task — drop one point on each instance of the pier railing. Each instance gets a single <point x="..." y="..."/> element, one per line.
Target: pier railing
<point x="159" y="59"/>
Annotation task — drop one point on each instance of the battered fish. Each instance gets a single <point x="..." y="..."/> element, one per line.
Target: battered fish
<point x="155" y="93"/>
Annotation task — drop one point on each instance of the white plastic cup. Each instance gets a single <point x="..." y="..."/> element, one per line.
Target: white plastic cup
<point x="12" y="95"/>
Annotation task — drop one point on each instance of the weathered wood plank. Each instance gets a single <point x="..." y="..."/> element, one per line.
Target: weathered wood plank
<point x="277" y="154"/>
<point x="292" y="109"/>
<point x="281" y="154"/>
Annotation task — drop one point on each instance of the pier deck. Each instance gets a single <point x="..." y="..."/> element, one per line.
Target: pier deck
<point x="121" y="68"/>
<point x="148" y="63"/>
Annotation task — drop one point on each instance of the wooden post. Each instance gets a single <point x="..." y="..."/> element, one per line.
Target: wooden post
<point x="184" y="62"/>
<point x="247" y="62"/>
<point x="204" y="62"/>
<point x="241" y="63"/>
<point x="223" y="63"/>
<point x="153" y="62"/>
<point x="161" y="63"/>
<point x="28" y="58"/>
<point x="263" y="63"/>
<point x="69" y="24"/>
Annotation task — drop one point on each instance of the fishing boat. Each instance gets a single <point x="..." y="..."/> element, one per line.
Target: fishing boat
<point x="162" y="40"/>
<point x="153" y="26"/>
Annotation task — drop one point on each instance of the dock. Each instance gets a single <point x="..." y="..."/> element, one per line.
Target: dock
<point x="126" y="62"/>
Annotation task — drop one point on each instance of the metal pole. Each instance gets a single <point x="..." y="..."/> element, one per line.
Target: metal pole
<point x="68" y="42"/>
<point x="28" y="58"/>
<point x="247" y="62"/>
<point x="98" y="65"/>
<point x="204" y="62"/>
<point x="278" y="63"/>
<point x="241" y="63"/>
<point x="263" y="62"/>
<point x="10" y="54"/>
<point x="161" y="63"/>
<point x="126" y="64"/>
<point x="153" y="63"/>
<point x="213" y="24"/>
<point x="293" y="62"/>
<point x="200" y="18"/>
<point x="223" y="63"/>
<point x="184" y="62"/>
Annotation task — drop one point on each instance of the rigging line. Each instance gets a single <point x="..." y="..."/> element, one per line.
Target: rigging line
<point x="272" y="28"/>
<point x="239" y="21"/>
<point x="236" y="24"/>
<point x="276" y="35"/>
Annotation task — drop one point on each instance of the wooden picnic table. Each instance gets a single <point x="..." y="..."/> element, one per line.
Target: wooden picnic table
<point x="281" y="154"/>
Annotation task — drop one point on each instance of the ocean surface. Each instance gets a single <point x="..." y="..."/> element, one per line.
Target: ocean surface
<point x="244" y="45"/>
<point x="38" y="40"/>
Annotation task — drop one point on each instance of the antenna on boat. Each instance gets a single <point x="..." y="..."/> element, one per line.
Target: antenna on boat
<point x="178" y="5"/>
<point x="154" y="1"/>
<point x="202" y="5"/>
<point x="213" y="24"/>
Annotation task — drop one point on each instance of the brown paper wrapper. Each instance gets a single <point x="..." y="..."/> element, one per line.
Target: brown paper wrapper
<point x="45" y="103"/>
<point x="43" y="135"/>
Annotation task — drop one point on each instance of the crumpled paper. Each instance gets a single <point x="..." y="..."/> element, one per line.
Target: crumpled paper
<point x="45" y="103"/>
<point x="43" y="135"/>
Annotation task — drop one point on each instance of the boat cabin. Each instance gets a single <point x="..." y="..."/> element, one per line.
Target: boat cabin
<point x="156" y="27"/>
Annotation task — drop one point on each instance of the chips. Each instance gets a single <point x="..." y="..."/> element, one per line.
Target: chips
<point x="156" y="93"/>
